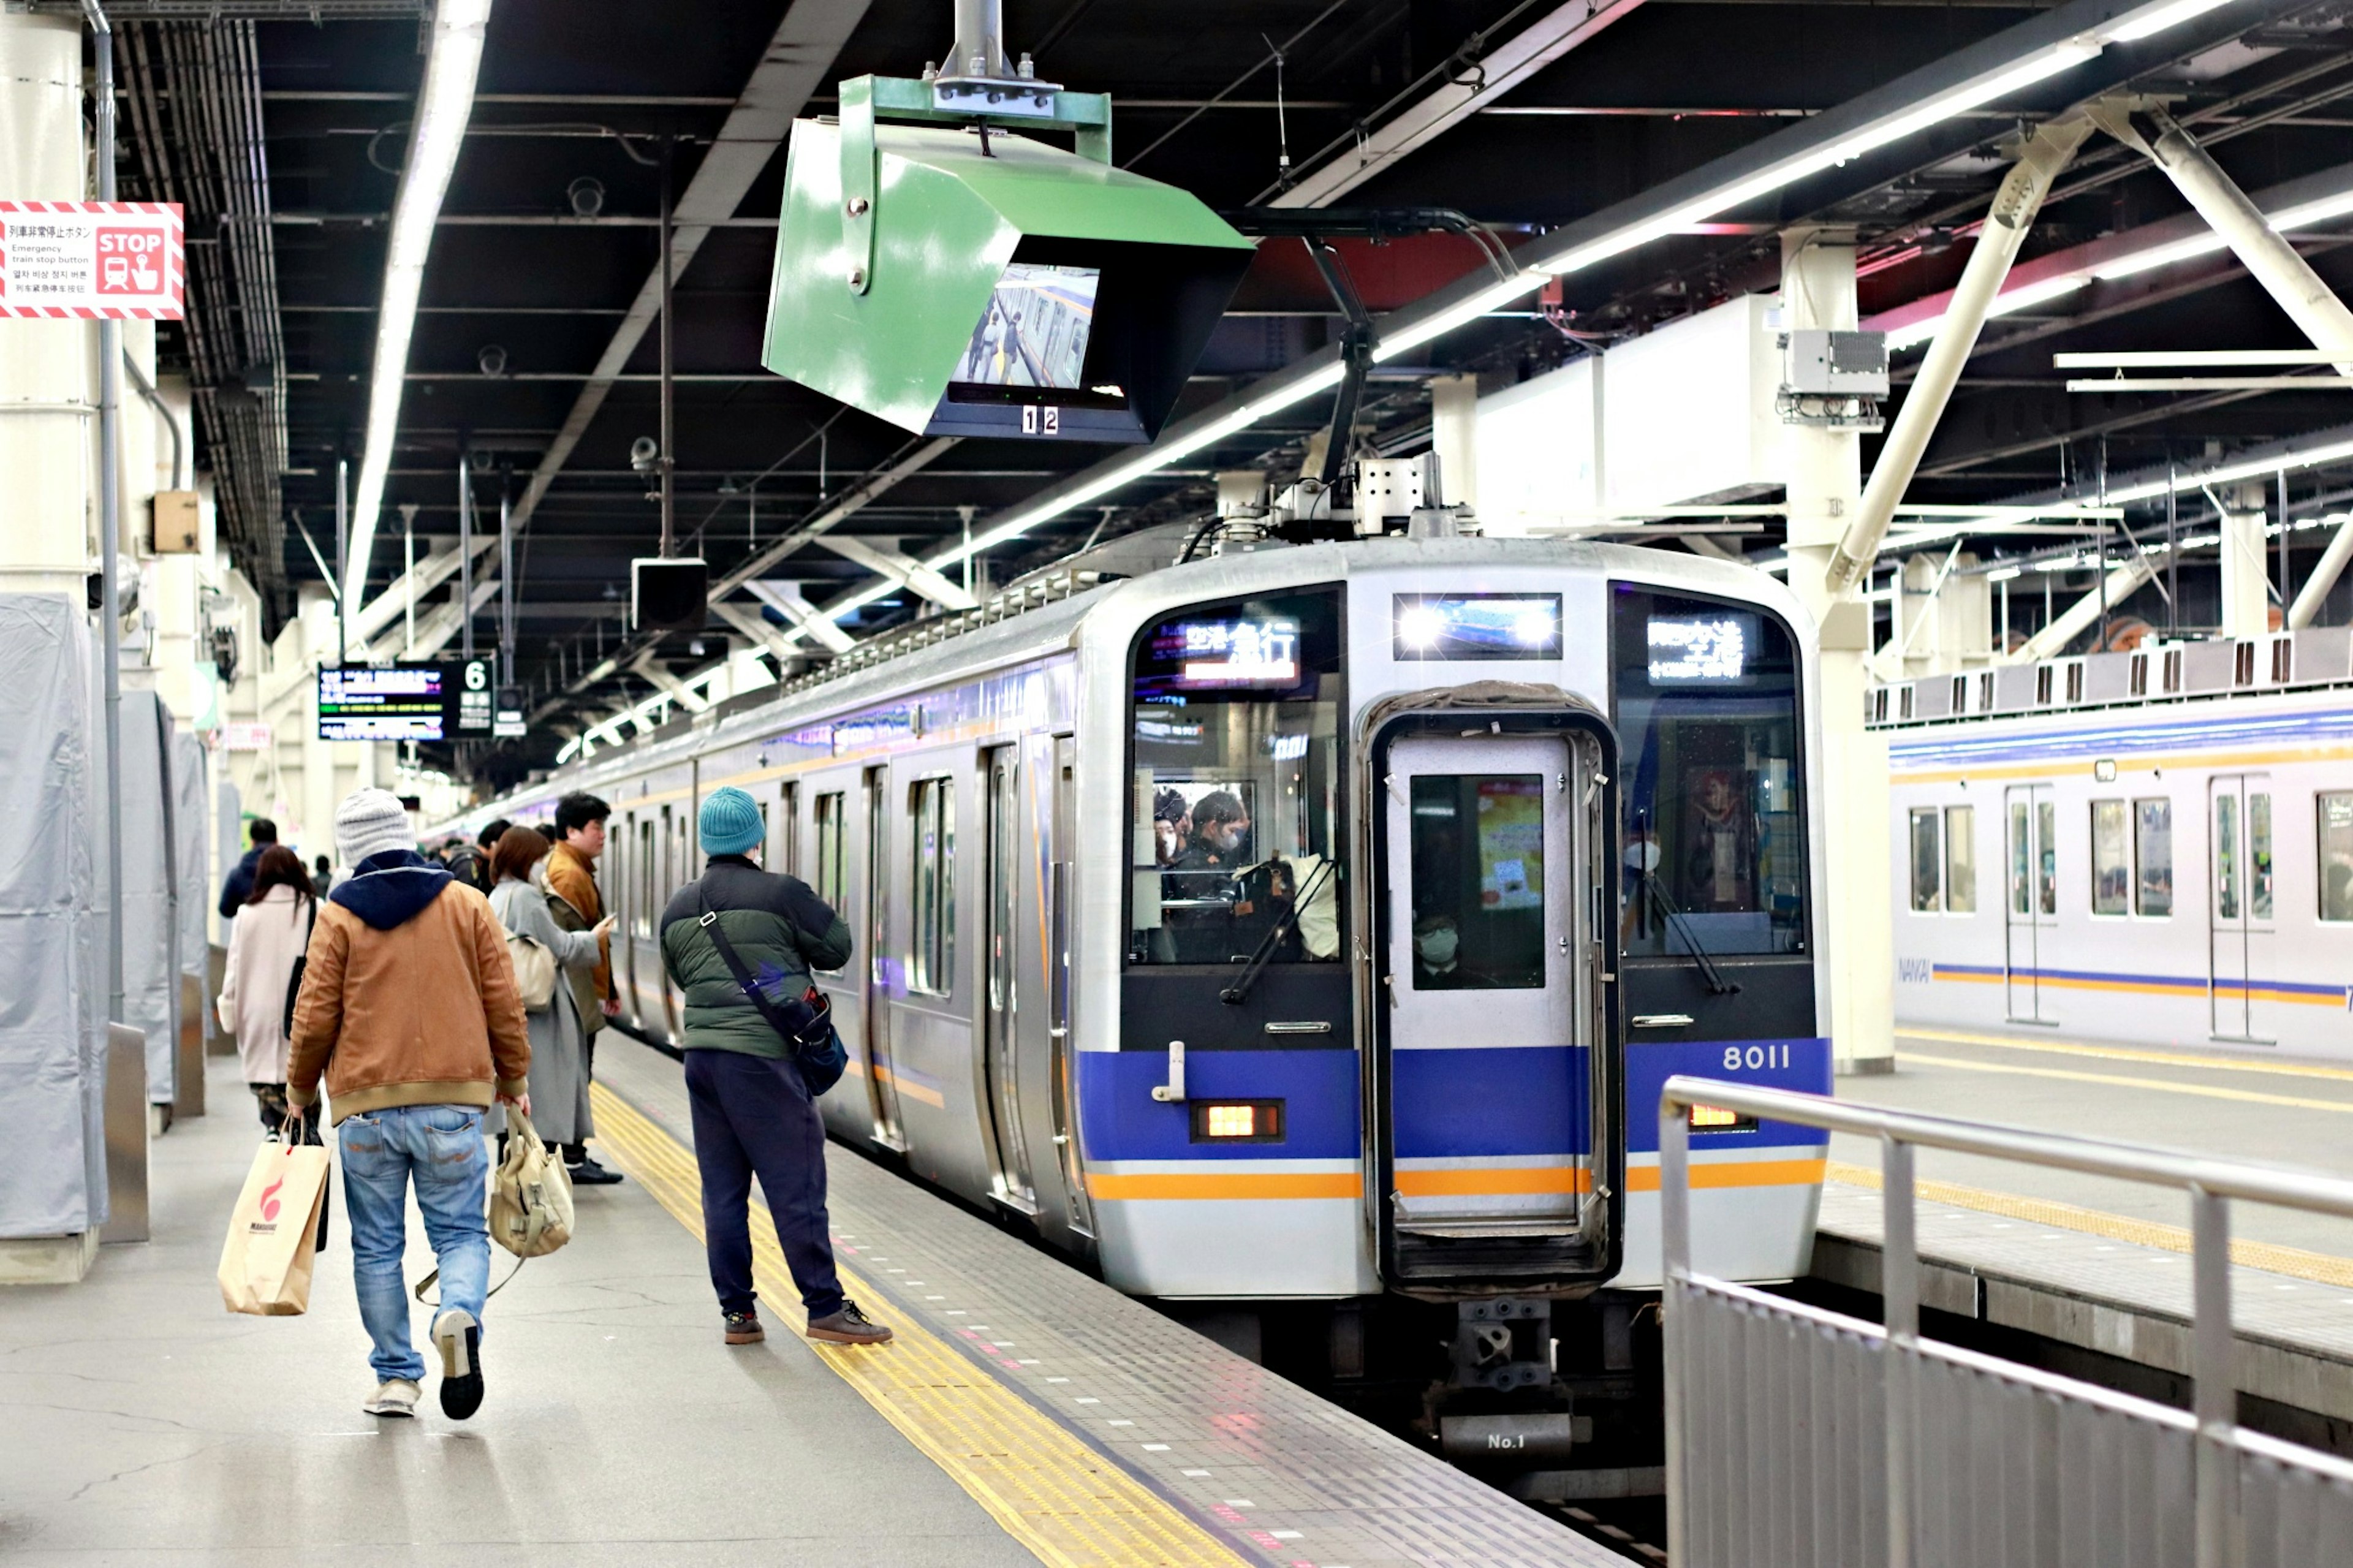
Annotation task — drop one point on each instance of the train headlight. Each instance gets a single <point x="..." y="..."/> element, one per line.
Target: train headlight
<point x="1237" y="1122"/>
<point x="1716" y="1119"/>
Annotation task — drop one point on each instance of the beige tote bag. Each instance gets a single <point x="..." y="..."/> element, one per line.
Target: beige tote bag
<point x="265" y="1264"/>
<point x="531" y="1194"/>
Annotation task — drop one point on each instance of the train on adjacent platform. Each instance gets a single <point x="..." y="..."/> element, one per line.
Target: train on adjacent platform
<point x="1307" y="926"/>
<point x="2152" y="848"/>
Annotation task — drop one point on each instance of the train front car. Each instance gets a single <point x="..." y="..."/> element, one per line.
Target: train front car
<point x="1419" y="869"/>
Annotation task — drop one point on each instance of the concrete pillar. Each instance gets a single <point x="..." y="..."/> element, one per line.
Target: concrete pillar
<point x="1944" y="619"/>
<point x="1453" y="424"/>
<point x="48" y="392"/>
<point x="2246" y="565"/>
<point x="1824" y="472"/>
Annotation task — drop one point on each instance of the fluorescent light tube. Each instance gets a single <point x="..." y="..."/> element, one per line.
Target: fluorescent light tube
<point x="444" y="104"/>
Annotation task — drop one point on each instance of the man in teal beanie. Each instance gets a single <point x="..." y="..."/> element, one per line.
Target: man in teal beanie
<point x="753" y="1112"/>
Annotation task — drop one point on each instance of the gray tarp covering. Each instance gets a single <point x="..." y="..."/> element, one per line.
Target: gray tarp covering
<point x="192" y="816"/>
<point x="151" y="989"/>
<point x="228" y="843"/>
<point x="52" y="953"/>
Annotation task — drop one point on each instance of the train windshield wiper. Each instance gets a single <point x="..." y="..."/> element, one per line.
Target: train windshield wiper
<point x="1717" y="985"/>
<point x="1238" y="992"/>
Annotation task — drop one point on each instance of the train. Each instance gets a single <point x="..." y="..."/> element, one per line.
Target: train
<point x="1306" y="926"/>
<point x="2152" y="846"/>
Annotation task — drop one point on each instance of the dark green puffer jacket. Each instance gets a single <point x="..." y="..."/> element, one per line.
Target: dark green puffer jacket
<point x="780" y="928"/>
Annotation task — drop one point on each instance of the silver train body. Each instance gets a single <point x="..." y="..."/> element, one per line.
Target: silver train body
<point x="1193" y="1038"/>
<point x="2153" y="846"/>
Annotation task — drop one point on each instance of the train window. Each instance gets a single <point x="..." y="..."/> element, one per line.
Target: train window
<point x="641" y="918"/>
<point x="832" y="816"/>
<point x="932" y="965"/>
<point x="2333" y="809"/>
<point x="2226" y="857"/>
<point x="1927" y="862"/>
<point x="2046" y="867"/>
<point x="2258" y="855"/>
<point x="788" y="841"/>
<point x="1714" y="826"/>
<point x="1960" y="859"/>
<point x="1235" y="797"/>
<point x="2111" y="863"/>
<point x="1478" y="881"/>
<point x="2022" y="861"/>
<point x="2153" y="850"/>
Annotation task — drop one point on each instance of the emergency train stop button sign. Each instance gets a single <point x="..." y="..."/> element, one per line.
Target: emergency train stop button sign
<point x="84" y="260"/>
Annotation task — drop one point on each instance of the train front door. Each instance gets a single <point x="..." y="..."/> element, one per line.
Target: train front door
<point x="1009" y="897"/>
<point x="1494" y="849"/>
<point x="2240" y="906"/>
<point x="2029" y="900"/>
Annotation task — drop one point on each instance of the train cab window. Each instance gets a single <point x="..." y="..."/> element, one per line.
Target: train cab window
<point x="2333" y="810"/>
<point x="932" y="965"/>
<point x="1927" y="861"/>
<point x="2153" y="852"/>
<point x="1478" y="881"/>
<point x="1706" y="709"/>
<point x="1960" y="859"/>
<point x="832" y="816"/>
<point x="1234" y="802"/>
<point x="2111" y="862"/>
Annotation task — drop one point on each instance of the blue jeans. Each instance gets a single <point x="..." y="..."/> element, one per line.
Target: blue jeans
<point x="439" y="1147"/>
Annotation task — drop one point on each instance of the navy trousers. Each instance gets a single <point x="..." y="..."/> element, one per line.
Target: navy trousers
<point x="754" y="1115"/>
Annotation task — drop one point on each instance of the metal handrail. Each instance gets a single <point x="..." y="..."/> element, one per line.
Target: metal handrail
<point x="2210" y="1185"/>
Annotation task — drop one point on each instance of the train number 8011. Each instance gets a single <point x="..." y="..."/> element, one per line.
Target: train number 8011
<point x="1755" y="1059"/>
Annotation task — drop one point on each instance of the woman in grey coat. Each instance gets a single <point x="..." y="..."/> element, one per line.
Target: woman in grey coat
<point x="559" y="1054"/>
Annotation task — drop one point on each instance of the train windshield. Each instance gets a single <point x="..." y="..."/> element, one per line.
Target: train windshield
<point x="1235" y="794"/>
<point x="1706" y="701"/>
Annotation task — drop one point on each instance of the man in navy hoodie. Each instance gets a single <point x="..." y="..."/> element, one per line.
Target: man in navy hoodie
<point x="239" y="885"/>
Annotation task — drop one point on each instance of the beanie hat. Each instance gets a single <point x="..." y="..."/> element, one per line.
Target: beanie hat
<point x="728" y="822"/>
<point x="369" y="821"/>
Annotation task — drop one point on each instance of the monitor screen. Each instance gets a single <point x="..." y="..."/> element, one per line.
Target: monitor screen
<point x="389" y="702"/>
<point x="1475" y="626"/>
<point x="1034" y="332"/>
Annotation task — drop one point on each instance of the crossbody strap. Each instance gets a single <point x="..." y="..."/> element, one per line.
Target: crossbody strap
<point x="709" y="922"/>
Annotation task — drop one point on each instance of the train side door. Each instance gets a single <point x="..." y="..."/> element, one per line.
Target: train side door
<point x="1491" y="988"/>
<point x="881" y="961"/>
<point x="2030" y="900"/>
<point x="1001" y="997"/>
<point x="1061" y="889"/>
<point x="676" y="872"/>
<point x="2241" y="907"/>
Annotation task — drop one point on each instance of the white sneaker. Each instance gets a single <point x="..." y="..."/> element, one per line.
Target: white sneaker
<point x="397" y="1396"/>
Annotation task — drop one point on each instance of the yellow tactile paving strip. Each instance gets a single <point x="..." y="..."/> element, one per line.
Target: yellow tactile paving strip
<point x="1051" y="1492"/>
<point x="2293" y="1261"/>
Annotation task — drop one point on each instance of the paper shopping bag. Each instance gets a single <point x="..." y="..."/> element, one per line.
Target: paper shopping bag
<point x="265" y="1266"/>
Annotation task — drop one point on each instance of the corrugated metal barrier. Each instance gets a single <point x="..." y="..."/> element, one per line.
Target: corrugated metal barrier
<point x="1801" y="1438"/>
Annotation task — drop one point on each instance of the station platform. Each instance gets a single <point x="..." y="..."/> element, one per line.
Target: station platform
<point x="2104" y="1265"/>
<point x="1025" y="1413"/>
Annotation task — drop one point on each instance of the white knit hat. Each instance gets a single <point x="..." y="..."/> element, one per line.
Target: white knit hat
<point x="369" y="821"/>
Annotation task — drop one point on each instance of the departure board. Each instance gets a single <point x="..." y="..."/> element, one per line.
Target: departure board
<point x="405" y="701"/>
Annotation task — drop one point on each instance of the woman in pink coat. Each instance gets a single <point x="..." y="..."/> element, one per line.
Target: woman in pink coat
<point x="271" y="930"/>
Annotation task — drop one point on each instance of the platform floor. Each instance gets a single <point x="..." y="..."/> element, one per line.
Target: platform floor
<point x="1026" y="1414"/>
<point x="2104" y="1264"/>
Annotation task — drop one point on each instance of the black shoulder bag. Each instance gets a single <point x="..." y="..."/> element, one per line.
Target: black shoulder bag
<point x="294" y="975"/>
<point x="805" y="1026"/>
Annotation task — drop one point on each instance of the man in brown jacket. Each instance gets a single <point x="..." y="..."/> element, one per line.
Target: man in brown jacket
<point x="571" y="877"/>
<point x="409" y="1008"/>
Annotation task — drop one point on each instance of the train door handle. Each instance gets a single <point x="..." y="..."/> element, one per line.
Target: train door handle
<point x="1173" y="1091"/>
<point x="1663" y="1020"/>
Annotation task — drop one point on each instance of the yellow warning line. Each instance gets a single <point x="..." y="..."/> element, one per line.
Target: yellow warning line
<point x="2293" y="1261"/>
<point x="1051" y="1493"/>
<point x="2204" y="1061"/>
<point x="2160" y="1085"/>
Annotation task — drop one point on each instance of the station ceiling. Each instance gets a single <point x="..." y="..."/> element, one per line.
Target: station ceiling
<point x="284" y="129"/>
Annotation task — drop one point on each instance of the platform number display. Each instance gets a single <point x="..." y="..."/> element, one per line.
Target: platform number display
<point x="1041" y="419"/>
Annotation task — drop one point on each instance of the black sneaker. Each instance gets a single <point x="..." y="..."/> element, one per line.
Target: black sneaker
<point x="849" y="1327"/>
<point x="588" y="1174"/>
<point x="744" y="1329"/>
<point x="459" y="1338"/>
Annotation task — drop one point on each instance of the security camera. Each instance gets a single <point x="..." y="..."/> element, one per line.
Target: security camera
<point x="645" y="454"/>
<point x="493" y="358"/>
<point x="586" y="196"/>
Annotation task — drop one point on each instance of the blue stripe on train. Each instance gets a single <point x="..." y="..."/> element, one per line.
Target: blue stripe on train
<point x="1802" y="1064"/>
<point x="1120" y="1120"/>
<point x="1498" y="1101"/>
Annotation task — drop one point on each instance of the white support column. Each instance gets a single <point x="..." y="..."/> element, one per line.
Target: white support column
<point x="807" y="618"/>
<point x="2123" y="582"/>
<point x="755" y="627"/>
<point x="882" y="557"/>
<point x="1825" y="488"/>
<point x="1453" y="423"/>
<point x="2246" y="567"/>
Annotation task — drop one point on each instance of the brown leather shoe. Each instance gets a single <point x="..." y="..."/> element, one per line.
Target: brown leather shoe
<point x="849" y="1327"/>
<point x="744" y="1329"/>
